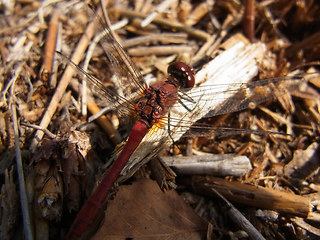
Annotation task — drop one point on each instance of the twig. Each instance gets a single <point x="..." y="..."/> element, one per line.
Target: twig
<point x="278" y="118"/>
<point x="168" y="23"/>
<point x="301" y="223"/>
<point x="160" y="37"/>
<point x="214" y="20"/>
<point x="64" y="82"/>
<point x="230" y="21"/>
<point x="222" y="165"/>
<point x="159" y="50"/>
<point x="303" y="163"/>
<point x="11" y="82"/>
<point x="215" y="40"/>
<point x="46" y="68"/>
<point x="248" y="20"/>
<point x="203" y="50"/>
<point x="160" y="8"/>
<point x="257" y="196"/>
<point x="104" y="123"/>
<point x="200" y="11"/>
<point x="239" y="219"/>
<point x="23" y="194"/>
<point x="46" y="131"/>
<point x="304" y="45"/>
<point x="184" y="10"/>
<point x="53" y="77"/>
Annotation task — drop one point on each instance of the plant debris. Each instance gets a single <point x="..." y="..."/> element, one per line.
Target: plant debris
<point x="64" y="155"/>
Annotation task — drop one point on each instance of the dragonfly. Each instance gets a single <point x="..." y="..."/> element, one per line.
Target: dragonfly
<point x="164" y="108"/>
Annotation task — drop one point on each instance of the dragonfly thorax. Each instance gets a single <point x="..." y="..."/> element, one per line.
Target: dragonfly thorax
<point x="157" y="100"/>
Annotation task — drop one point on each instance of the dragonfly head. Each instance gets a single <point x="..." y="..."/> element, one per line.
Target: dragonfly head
<point x="182" y="73"/>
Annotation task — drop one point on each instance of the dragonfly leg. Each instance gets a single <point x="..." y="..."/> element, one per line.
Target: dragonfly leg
<point x="170" y="133"/>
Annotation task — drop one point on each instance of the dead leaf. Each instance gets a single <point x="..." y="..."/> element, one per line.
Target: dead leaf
<point x="143" y="211"/>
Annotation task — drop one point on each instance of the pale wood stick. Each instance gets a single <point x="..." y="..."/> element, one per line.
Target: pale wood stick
<point x="200" y="11"/>
<point x="55" y="64"/>
<point x="301" y="223"/>
<point x="159" y="50"/>
<point x="160" y="8"/>
<point x="157" y="37"/>
<point x="213" y="164"/>
<point x="164" y="22"/>
<point x="64" y="82"/>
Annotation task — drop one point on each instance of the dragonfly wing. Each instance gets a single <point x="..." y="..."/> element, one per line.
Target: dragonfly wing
<point x="217" y="69"/>
<point x="109" y="97"/>
<point x="120" y="63"/>
<point x="238" y="96"/>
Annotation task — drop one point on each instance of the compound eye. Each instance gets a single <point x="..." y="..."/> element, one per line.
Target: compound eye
<point x="140" y="105"/>
<point x="183" y="73"/>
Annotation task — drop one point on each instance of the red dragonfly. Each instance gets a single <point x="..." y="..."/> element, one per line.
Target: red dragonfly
<point x="175" y="97"/>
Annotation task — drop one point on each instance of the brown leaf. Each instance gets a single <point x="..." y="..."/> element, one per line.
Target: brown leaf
<point x="143" y="211"/>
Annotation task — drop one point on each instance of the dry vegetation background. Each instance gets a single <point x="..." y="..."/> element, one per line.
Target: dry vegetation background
<point x="62" y="170"/>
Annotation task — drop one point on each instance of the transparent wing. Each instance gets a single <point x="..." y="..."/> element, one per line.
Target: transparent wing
<point x="120" y="63"/>
<point x="124" y="106"/>
<point x="235" y="97"/>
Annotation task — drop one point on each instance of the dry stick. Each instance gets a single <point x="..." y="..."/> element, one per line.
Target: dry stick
<point x="46" y="68"/>
<point x="64" y="82"/>
<point x="230" y="21"/>
<point x="183" y="11"/>
<point x="168" y="23"/>
<point x="53" y="76"/>
<point x="211" y="164"/>
<point x="157" y="37"/>
<point x="239" y="219"/>
<point x="214" y="20"/>
<point x="215" y="40"/>
<point x="11" y="81"/>
<point x="301" y="223"/>
<point x="203" y="50"/>
<point x="255" y="195"/>
<point x="248" y="20"/>
<point x="160" y="8"/>
<point x="164" y="176"/>
<point x="104" y="123"/>
<point x="46" y="131"/>
<point x="199" y="12"/>
<point x="22" y="188"/>
<point x="159" y="50"/>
